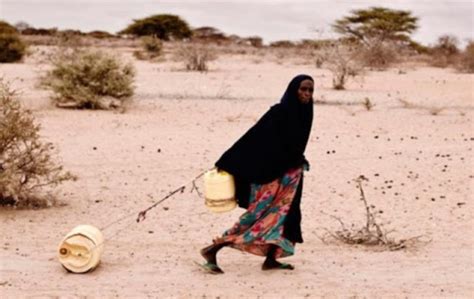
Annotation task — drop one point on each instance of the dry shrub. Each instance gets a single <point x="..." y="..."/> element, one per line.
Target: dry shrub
<point x="445" y="52"/>
<point x="196" y="57"/>
<point x="373" y="233"/>
<point x="466" y="60"/>
<point x="88" y="79"/>
<point x="254" y="41"/>
<point x="152" y="48"/>
<point x="26" y="164"/>
<point x="341" y="59"/>
<point x="69" y="39"/>
<point x="379" y="55"/>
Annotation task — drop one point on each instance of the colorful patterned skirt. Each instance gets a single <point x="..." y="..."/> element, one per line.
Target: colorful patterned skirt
<point x="263" y="223"/>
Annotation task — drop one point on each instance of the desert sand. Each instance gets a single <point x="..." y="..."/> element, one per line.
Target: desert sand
<point x="418" y="160"/>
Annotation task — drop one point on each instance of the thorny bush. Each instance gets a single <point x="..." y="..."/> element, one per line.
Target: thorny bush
<point x="27" y="166"/>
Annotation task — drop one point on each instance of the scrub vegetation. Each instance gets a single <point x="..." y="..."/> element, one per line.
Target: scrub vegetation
<point x="89" y="79"/>
<point x="28" y="170"/>
<point x="12" y="47"/>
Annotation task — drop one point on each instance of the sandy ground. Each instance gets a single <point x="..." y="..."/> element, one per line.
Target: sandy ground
<point x="419" y="167"/>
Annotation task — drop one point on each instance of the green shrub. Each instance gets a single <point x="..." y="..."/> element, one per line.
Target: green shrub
<point x="12" y="48"/>
<point x="87" y="79"/>
<point x="282" y="44"/>
<point x="6" y="28"/>
<point x="26" y="163"/>
<point x="100" y="34"/>
<point x="163" y="26"/>
<point x="152" y="47"/>
<point x="40" y="31"/>
<point x="152" y="44"/>
<point x="418" y="48"/>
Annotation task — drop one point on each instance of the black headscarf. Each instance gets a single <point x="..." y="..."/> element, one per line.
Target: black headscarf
<point x="276" y="143"/>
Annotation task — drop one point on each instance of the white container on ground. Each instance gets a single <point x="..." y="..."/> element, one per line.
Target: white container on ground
<point x="81" y="249"/>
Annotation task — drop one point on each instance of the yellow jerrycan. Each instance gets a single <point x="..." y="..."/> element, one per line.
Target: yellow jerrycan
<point x="219" y="190"/>
<point x="81" y="249"/>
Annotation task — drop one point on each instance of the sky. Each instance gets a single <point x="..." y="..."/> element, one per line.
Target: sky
<point x="272" y="20"/>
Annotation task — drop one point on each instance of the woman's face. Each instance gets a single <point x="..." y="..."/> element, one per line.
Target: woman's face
<point x="305" y="91"/>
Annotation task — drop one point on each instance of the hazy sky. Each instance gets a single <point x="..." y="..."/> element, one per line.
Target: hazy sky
<point x="272" y="20"/>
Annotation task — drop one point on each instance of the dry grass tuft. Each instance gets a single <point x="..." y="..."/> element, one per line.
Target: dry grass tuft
<point x="366" y="102"/>
<point x="433" y="110"/>
<point x="196" y="57"/>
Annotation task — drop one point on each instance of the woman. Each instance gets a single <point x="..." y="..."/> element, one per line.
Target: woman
<point x="267" y="164"/>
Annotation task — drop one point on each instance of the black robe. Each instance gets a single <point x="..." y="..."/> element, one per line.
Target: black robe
<point x="274" y="145"/>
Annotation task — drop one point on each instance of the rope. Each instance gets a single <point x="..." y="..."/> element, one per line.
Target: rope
<point x="142" y="214"/>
